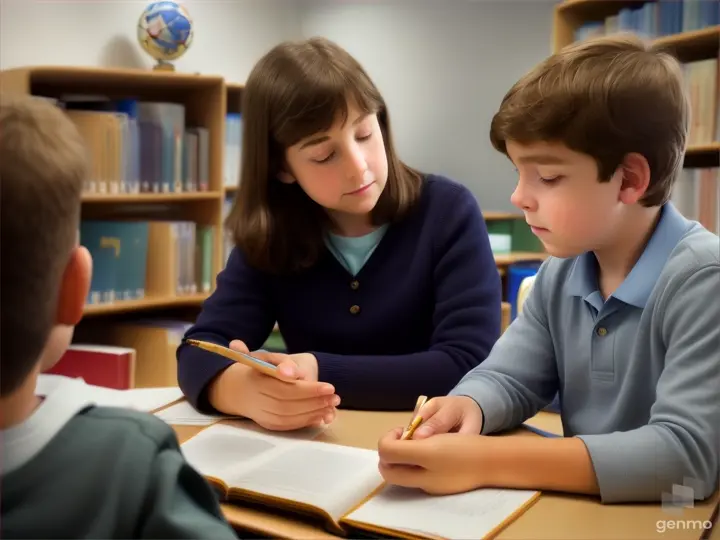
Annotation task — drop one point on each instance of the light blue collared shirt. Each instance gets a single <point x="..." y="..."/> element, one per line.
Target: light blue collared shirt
<point x="638" y="374"/>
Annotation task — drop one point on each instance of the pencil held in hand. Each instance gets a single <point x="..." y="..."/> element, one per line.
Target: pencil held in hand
<point x="415" y="421"/>
<point x="408" y="433"/>
<point x="247" y="360"/>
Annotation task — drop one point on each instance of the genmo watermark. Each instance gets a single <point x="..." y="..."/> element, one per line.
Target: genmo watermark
<point x="664" y="525"/>
<point x="676" y="502"/>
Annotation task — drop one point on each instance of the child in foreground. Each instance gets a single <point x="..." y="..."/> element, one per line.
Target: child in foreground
<point x="69" y="469"/>
<point x="623" y="321"/>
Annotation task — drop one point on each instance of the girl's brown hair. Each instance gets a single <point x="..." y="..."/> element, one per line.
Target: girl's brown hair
<point x="296" y="90"/>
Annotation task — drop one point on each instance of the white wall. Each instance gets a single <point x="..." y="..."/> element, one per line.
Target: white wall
<point x="443" y="67"/>
<point x="230" y="34"/>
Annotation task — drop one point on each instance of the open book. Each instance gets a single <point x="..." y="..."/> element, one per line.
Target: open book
<point x="341" y="486"/>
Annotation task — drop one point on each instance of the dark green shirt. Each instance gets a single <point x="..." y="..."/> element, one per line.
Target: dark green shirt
<point x="73" y="470"/>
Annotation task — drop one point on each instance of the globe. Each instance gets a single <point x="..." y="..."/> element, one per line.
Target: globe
<point x="165" y="32"/>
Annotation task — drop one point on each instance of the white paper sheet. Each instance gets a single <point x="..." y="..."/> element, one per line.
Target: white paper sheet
<point x="141" y="399"/>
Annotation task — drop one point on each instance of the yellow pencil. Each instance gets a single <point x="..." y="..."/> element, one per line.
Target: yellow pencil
<point x="416" y="420"/>
<point x="264" y="367"/>
<point x="410" y="430"/>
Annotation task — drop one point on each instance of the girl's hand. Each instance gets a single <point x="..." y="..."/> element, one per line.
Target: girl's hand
<point x="295" y="402"/>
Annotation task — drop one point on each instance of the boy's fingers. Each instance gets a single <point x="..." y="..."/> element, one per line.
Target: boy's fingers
<point x="403" y="475"/>
<point x="393" y="451"/>
<point x="437" y="419"/>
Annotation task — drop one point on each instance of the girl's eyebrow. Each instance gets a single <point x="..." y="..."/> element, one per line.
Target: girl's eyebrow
<point x="322" y="138"/>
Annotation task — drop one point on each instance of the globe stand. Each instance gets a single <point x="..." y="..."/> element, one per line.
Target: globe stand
<point x="162" y="65"/>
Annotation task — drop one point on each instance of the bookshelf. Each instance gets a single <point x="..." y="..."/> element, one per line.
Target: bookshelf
<point x="690" y="31"/>
<point x="113" y="197"/>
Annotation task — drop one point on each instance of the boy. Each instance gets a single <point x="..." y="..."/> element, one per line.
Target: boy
<point x="623" y="321"/>
<point x="69" y="469"/>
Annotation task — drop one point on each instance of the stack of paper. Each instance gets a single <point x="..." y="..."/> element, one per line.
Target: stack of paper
<point x="183" y="413"/>
<point x="141" y="399"/>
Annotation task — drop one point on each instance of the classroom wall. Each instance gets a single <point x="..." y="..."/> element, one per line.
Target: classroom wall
<point x="443" y="67"/>
<point x="231" y="34"/>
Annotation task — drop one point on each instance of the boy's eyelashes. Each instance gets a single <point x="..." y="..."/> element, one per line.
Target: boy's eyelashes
<point x="328" y="157"/>
<point x="549" y="179"/>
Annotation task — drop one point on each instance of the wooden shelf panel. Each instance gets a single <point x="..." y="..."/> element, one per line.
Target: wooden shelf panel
<point x="498" y="216"/>
<point x="144" y="304"/>
<point x="139" y="198"/>
<point x="123" y="80"/>
<point x="692" y="46"/>
<point x="504" y="259"/>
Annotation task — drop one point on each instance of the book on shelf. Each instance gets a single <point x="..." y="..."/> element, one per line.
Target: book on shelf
<point x="233" y="149"/>
<point x="140" y="146"/>
<point x="340" y="486"/>
<point x="655" y="19"/>
<point x="696" y="194"/>
<point x="134" y="259"/>
<point x="701" y="80"/>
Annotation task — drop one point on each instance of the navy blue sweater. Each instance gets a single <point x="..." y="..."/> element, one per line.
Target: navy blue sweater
<point x="427" y="309"/>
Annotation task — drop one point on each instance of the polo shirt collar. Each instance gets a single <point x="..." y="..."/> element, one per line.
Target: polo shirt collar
<point x="638" y="285"/>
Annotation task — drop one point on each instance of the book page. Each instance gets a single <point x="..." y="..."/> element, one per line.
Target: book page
<point x="331" y="477"/>
<point x="221" y="451"/>
<point x="464" y="515"/>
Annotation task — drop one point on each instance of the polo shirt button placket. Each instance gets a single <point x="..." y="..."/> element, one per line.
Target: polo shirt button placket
<point x="602" y="331"/>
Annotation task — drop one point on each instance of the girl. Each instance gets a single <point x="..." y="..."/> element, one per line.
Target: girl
<point x="381" y="278"/>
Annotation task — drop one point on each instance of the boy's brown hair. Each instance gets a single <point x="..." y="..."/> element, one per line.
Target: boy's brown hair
<point x="43" y="164"/>
<point x="605" y="97"/>
<point x="296" y="90"/>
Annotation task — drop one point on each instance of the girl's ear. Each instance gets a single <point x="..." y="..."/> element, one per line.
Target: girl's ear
<point x="286" y="177"/>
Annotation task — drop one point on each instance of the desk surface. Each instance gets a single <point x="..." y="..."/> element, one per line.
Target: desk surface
<point x="556" y="517"/>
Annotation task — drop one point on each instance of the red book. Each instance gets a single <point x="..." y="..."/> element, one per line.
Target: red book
<point x="100" y="365"/>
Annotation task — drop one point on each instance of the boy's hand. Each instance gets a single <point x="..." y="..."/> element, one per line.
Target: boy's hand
<point x="459" y="414"/>
<point x="295" y="402"/>
<point x="443" y="464"/>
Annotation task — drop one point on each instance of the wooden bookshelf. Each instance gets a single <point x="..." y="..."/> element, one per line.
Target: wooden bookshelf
<point x="203" y="98"/>
<point x="145" y="304"/>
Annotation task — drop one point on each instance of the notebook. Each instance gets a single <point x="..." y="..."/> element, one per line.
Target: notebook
<point x="341" y="486"/>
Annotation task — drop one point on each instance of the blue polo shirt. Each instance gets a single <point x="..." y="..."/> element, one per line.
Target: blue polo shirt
<point x="638" y="374"/>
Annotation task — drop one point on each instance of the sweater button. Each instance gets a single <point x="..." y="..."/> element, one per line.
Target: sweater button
<point x="602" y="331"/>
<point x="354" y="284"/>
<point x="355" y="309"/>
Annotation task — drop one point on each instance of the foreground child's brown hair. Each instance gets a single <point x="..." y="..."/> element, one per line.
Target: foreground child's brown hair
<point x="42" y="170"/>
<point x="296" y="90"/>
<point x="606" y="97"/>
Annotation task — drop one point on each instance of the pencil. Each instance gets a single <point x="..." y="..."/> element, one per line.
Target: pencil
<point x="247" y="360"/>
<point x="410" y="430"/>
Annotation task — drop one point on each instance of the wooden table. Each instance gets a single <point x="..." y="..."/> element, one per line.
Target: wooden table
<point x="552" y="517"/>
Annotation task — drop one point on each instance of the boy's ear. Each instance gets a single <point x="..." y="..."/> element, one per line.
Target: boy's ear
<point x="286" y="177"/>
<point x="635" y="178"/>
<point x="75" y="287"/>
